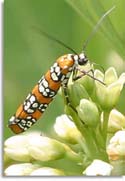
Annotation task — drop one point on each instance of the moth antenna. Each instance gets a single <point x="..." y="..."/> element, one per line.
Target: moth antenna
<point x="40" y="31"/>
<point x="97" y="26"/>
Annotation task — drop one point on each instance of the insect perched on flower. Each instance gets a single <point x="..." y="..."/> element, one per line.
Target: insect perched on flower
<point x="44" y="91"/>
<point x="47" y="87"/>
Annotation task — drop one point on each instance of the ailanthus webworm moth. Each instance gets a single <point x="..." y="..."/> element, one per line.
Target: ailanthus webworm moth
<point x="44" y="91"/>
<point x="47" y="87"/>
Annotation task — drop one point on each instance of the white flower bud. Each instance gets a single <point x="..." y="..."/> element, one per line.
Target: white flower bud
<point x="66" y="129"/>
<point x="116" y="145"/>
<point x="98" y="167"/>
<point x="88" y="112"/>
<point x="116" y="121"/>
<point x="45" y="149"/>
<point x="16" y="147"/>
<point x="47" y="171"/>
<point x="20" y="169"/>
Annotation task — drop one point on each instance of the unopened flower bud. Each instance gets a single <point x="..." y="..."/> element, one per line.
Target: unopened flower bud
<point x="116" y="121"/>
<point x="16" y="148"/>
<point x="45" y="149"/>
<point x="76" y="93"/>
<point x="66" y="129"/>
<point x="88" y="112"/>
<point x="21" y="169"/>
<point x="98" y="168"/>
<point x="116" y="145"/>
<point x="47" y="171"/>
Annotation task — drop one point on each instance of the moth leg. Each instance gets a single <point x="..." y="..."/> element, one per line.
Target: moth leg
<point x="83" y="73"/>
<point x="66" y="96"/>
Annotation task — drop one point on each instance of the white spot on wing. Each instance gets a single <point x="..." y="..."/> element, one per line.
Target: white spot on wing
<point x="55" y="64"/>
<point x="12" y="119"/>
<point x="30" y="111"/>
<point x="45" y="83"/>
<point x="44" y="93"/>
<point x="54" y="76"/>
<point x="47" y="90"/>
<point x="41" y="88"/>
<point x="35" y="105"/>
<point x="32" y="98"/>
<point x="27" y="106"/>
<point x="57" y="69"/>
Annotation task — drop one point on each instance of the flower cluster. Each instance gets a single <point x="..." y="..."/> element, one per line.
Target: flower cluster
<point x="90" y="135"/>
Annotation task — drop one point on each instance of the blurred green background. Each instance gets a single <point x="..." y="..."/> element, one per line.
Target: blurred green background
<point x="28" y="55"/>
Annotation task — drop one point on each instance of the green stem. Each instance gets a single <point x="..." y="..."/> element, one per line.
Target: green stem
<point x="105" y="125"/>
<point x="87" y="143"/>
<point x="91" y="145"/>
<point x="93" y="132"/>
<point x="82" y="143"/>
<point x="72" y="155"/>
